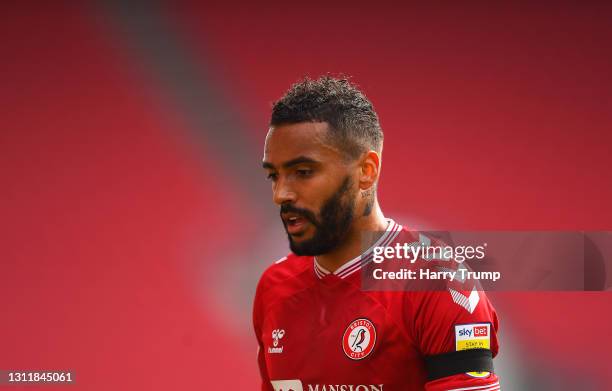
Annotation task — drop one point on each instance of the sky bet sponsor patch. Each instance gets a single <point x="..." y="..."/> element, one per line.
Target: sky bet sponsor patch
<point x="473" y="336"/>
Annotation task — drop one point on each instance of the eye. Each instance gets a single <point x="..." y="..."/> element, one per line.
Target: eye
<point x="304" y="172"/>
<point x="272" y="176"/>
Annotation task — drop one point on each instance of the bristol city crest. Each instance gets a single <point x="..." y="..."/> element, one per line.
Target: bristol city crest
<point x="359" y="339"/>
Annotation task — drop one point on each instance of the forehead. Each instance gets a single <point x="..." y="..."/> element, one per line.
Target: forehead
<point x="308" y="139"/>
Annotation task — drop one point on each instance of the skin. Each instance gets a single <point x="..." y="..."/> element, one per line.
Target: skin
<point x="305" y="171"/>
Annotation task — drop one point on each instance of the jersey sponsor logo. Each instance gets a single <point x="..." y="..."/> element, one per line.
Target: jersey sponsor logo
<point x="345" y="387"/>
<point x="296" y="385"/>
<point x="473" y="336"/>
<point x="277" y="334"/>
<point x="287" y="385"/>
<point x="359" y="339"/>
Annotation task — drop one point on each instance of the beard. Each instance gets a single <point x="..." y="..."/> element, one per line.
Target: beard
<point x="332" y="226"/>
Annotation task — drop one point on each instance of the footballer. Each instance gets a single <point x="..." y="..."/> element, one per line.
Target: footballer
<point x="317" y="329"/>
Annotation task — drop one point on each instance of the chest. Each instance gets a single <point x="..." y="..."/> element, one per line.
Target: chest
<point x="338" y="336"/>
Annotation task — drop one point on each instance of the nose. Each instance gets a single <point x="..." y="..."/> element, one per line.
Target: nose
<point x="282" y="194"/>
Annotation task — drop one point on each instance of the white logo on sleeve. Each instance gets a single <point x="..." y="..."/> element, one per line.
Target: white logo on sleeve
<point x="468" y="302"/>
<point x="277" y="335"/>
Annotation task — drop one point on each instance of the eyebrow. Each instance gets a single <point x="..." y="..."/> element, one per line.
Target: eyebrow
<point x="290" y="163"/>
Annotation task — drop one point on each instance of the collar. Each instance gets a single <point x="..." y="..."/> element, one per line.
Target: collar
<point x="350" y="267"/>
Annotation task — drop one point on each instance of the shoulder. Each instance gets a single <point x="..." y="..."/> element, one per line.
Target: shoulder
<point x="288" y="273"/>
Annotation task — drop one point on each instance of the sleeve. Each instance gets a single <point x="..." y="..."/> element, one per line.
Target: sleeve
<point x="456" y="332"/>
<point x="257" y="326"/>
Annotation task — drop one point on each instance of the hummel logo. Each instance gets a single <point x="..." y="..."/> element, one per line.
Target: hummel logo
<point x="277" y="334"/>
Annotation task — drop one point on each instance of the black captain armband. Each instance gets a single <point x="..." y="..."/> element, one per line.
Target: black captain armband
<point x="453" y="363"/>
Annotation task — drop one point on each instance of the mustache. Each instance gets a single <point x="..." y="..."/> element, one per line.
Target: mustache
<point x="307" y="214"/>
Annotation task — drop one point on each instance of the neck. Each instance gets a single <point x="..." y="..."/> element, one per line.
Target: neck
<point x="352" y="247"/>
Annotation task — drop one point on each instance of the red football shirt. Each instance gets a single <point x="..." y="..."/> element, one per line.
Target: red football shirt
<point x="319" y="331"/>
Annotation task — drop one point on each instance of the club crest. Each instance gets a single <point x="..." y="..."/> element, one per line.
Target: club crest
<point x="359" y="339"/>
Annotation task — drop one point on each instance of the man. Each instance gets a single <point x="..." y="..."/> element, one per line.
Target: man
<point x="316" y="327"/>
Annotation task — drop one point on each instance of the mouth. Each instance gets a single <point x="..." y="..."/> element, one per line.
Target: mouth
<point x="294" y="223"/>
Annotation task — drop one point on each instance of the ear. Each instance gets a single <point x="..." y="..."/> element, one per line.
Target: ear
<point x="369" y="170"/>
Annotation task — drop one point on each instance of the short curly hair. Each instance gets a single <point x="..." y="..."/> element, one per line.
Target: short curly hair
<point x="353" y="123"/>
